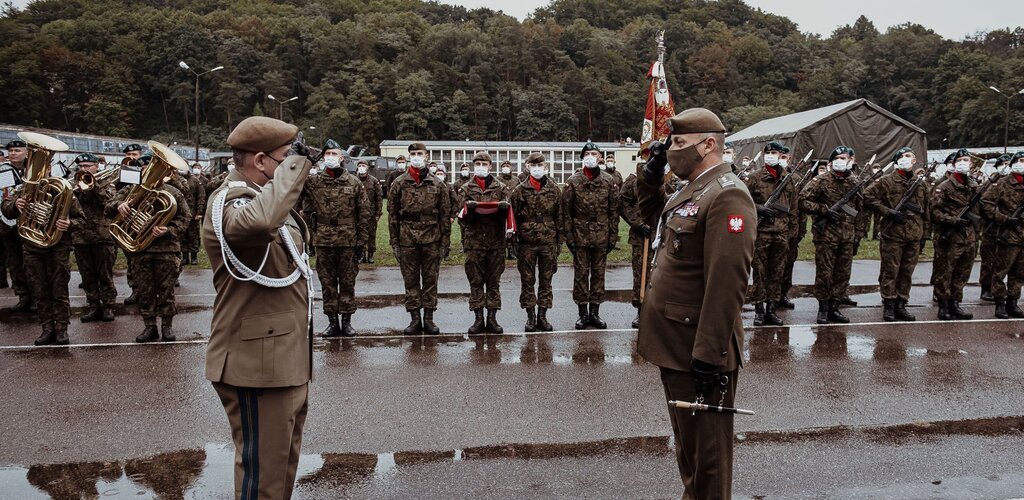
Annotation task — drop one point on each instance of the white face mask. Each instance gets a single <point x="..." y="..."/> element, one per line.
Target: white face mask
<point x="941" y="170"/>
<point x="440" y="175"/>
<point x="590" y="162"/>
<point x="481" y="171"/>
<point x="783" y="162"/>
<point x="103" y="166"/>
<point x="727" y="157"/>
<point x="432" y="169"/>
<point x="771" y="159"/>
<point x="417" y="161"/>
<point x="840" y="165"/>
<point x="464" y="173"/>
<point x="962" y="167"/>
<point x="400" y="165"/>
<point x="196" y="170"/>
<point x="1017" y="168"/>
<point x="361" y="169"/>
<point x="746" y="163"/>
<point x="332" y="161"/>
<point x="538" y="172"/>
<point x="609" y="165"/>
<point x="1004" y="170"/>
<point x="506" y="170"/>
<point x="231" y="166"/>
<point x="314" y="171"/>
<point x="906" y="163"/>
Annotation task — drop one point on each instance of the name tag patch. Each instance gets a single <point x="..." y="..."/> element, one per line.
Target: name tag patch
<point x="736" y="224"/>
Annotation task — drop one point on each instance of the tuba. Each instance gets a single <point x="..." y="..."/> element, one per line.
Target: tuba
<point x="150" y="207"/>
<point x="49" y="198"/>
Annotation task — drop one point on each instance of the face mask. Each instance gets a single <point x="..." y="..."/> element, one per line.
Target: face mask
<point x="506" y="170"/>
<point x="464" y="174"/>
<point x="746" y="163"/>
<point x="962" y="167"/>
<point x="783" y="162"/>
<point x="727" y="158"/>
<point x="905" y="163"/>
<point x="1004" y="170"/>
<point x="400" y="165"/>
<point x="1017" y="168"/>
<point x="332" y="162"/>
<point x="840" y="165"/>
<point x="480" y="171"/>
<point x="361" y="170"/>
<point x="988" y="171"/>
<point x="440" y="175"/>
<point x="683" y="161"/>
<point x="103" y="166"/>
<point x="538" y="172"/>
<point x="941" y="170"/>
<point x="231" y="166"/>
<point x="314" y="171"/>
<point x="590" y="162"/>
<point x="417" y="161"/>
<point x="609" y="166"/>
<point x="432" y="169"/>
<point x="771" y="159"/>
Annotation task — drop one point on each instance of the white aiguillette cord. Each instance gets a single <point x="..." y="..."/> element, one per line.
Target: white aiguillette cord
<point x="247" y="274"/>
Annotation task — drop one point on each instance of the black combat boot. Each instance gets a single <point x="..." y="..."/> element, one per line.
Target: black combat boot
<point x="636" y="320"/>
<point x="1013" y="309"/>
<point x="759" y="314"/>
<point x="24" y="305"/>
<point x="846" y="301"/>
<point x="901" y="311"/>
<point x="132" y="299"/>
<point x="542" y="320"/>
<point x="61" y="336"/>
<point x="478" y="322"/>
<point x="531" y="320"/>
<point x="944" y="311"/>
<point x="415" y="325"/>
<point x="333" y="329"/>
<point x="1001" y="309"/>
<point x="986" y="293"/>
<point x="149" y="334"/>
<point x="167" y="330"/>
<point x="48" y="337"/>
<point x="785" y="303"/>
<point x="835" y="315"/>
<point x="956" y="312"/>
<point x="584" y="320"/>
<point x="888" y="310"/>
<point x="595" y="317"/>
<point x="429" y="327"/>
<point x="194" y="260"/>
<point x="95" y="314"/>
<point x="770" y="318"/>
<point x="107" y="312"/>
<point x="492" y="322"/>
<point x="823" y="308"/>
<point x="346" y="326"/>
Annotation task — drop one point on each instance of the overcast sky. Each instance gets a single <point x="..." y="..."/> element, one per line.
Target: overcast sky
<point x="952" y="19"/>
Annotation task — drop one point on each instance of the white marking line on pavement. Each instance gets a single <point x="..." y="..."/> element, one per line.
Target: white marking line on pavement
<point x="518" y="334"/>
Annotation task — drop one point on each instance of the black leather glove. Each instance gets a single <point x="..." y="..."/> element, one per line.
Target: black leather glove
<point x="896" y="215"/>
<point x="707" y="377"/>
<point x="654" y="169"/>
<point x="502" y="205"/>
<point x="299" y="148"/>
<point x="962" y="223"/>
<point x="471" y="205"/>
<point x="835" y="216"/>
<point x="644" y="230"/>
<point x="765" y="214"/>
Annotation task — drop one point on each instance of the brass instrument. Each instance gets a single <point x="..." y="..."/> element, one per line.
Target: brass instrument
<point x="150" y="207"/>
<point x="87" y="181"/>
<point x="49" y="198"/>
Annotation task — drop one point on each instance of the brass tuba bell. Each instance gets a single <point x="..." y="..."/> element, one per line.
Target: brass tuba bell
<point x="49" y="198"/>
<point x="150" y="207"/>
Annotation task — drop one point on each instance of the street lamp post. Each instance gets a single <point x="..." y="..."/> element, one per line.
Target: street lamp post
<point x="1006" y="116"/>
<point x="280" y="104"/>
<point x="197" y="75"/>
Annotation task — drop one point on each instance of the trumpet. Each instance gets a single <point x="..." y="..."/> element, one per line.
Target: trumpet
<point x="87" y="181"/>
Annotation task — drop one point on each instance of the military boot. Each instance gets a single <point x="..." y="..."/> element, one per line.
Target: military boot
<point x="785" y="303"/>
<point x="429" y="327"/>
<point x="61" y="336"/>
<point x="194" y="260"/>
<point x="24" y="305"/>
<point x="1001" y="309"/>
<point x="492" y="322"/>
<point x="835" y="315"/>
<point x="986" y="293"/>
<point x="944" y="311"/>
<point x="636" y="320"/>
<point x="956" y="312"/>
<point x="584" y="319"/>
<point x="107" y="312"/>
<point x="595" y="317"/>
<point x="759" y="314"/>
<point x="823" y="308"/>
<point x="478" y="322"/>
<point x="846" y="301"/>
<point x="333" y="329"/>
<point x="770" y="318"/>
<point x="542" y="320"/>
<point x="888" y="310"/>
<point x="346" y="326"/>
<point x="415" y="325"/>
<point x="48" y="337"/>
<point x="901" y="311"/>
<point x="531" y="320"/>
<point x="95" y="314"/>
<point x="149" y="334"/>
<point x="1013" y="309"/>
<point x="167" y="330"/>
<point x="132" y="299"/>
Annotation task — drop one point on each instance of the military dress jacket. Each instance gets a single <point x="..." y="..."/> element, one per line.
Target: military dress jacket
<point x="260" y="336"/>
<point x="698" y="281"/>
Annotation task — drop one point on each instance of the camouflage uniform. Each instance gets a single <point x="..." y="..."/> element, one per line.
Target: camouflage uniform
<point x="389" y="180"/>
<point x="833" y="247"/>
<point x="999" y="203"/>
<point x="13" y="251"/>
<point x="342" y="213"/>
<point x="899" y="241"/>
<point x="215" y="182"/>
<point x="591" y="230"/>
<point x="955" y="246"/>
<point x="629" y="210"/>
<point x="797" y="231"/>
<point x="771" y="248"/>
<point x="539" y="234"/>
<point x="616" y="178"/>
<point x="375" y="197"/>
<point x="196" y="198"/>
<point x="510" y="180"/>
<point x="419" y="226"/>
<point x="483" y="240"/>
<point x="94" y="247"/>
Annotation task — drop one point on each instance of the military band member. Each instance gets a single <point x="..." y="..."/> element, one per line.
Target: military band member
<point x="419" y="225"/>
<point x="690" y="323"/>
<point x="17" y="153"/>
<point x="1003" y="205"/>
<point x="337" y="201"/>
<point x="259" y="358"/>
<point x="772" y="244"/>
<point x="94" y="247"/>
<point x="639" y="231"/>
<point x="955" y="237"/>
<point x="196" y="198"/>
<point x="590" y="201"/>
<point x="537" y="205"/>
<point x="375" y="197"/>
<point x="133" y="152"/>
<point x="989" y="234"/>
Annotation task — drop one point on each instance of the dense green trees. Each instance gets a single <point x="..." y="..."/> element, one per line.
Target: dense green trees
<point x="366" y="70"/>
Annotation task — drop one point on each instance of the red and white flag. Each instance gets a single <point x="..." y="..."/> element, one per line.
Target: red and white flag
<point x="659" y="102"/>
<point x="491" y="208"/>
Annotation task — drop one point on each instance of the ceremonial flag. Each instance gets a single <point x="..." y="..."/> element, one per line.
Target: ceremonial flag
<point x="659" y="102"/>
<point x="491" y="208"/>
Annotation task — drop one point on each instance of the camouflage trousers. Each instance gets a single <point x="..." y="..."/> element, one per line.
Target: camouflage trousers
<point x="371" y="237"/>
<point x="537" y="264"/>
<point x="48" y="272"/>
<point x="1008" y="266"/>
<point x="637" y="263"/>
<point x="420" y="265"/>
<point x="132" y="274"/>
<point x="952" y="267"/>
<point x="484" y="268"/>
<point x="898" y="260"/>
<point x="15" y="263"/>
<point x="792" y="252"/>
<point x="190" y="243"/>
<point x="96" y="265"/>
<point x="337" y="269"/>
<point x="770" y="253"/>
<point x="155" y="274"/>
<point x="588" y="266"/>
<point x="987" y="251"/>
<point x="833" y="261"/>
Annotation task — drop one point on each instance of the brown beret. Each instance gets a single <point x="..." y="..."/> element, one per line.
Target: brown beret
<point x="506" y="162"/>
<point x="535" y="158"/>
<point x="260" y="133"/>
<point x="400" y="158"/>
<point x="482" y="156"/>
<point x="363" y="162"/>
<point x="417" y="146"/>
<point x="695" y="121"/>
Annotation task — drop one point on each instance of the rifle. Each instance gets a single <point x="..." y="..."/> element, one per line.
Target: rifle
<point x="905" y="203"/>
<point x="772" y="203"/>
<point x="1004" y="230"/>
<point x="965" y="212"/>
<point x="844" y="203"/>
<point x="810" y="174"/>
<point x="750" y="165"/>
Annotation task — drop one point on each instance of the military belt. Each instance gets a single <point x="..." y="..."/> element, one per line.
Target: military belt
<point x="541" y="218"/>
<point x="418" y="218"/>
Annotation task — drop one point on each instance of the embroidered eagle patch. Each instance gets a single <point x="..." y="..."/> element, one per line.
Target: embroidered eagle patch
<point x="735" y="224"/>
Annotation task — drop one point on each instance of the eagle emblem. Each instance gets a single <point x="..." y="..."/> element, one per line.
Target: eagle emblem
<point x="735" y="223"/>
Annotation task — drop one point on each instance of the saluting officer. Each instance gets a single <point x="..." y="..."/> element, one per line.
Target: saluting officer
<point x="94" y="247"/>
<point x="375" y="196"/>
<point x="537" y="205"/>
<point x="1003" y="204"/>
<point x="690" y="323"/>
<point x="956" y="237"/>
<point x="772" y="244"/>
<point x="17" y="153"/>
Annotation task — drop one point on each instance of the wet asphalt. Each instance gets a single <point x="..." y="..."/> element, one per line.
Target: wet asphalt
<point x="867" y="410"/>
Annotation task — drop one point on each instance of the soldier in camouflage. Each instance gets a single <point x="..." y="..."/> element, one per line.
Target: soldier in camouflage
<point x="375" y="197"/>
<point x="400" y="168"/>
<point x="1003" y="205"/>
<point x="989" y="234"/>
<point x="465" y="174"/>
<point x="17" y="152"/>
<point x="771" y="248"/>
<point x="609" y="168"/>
<point x="337" y="201"/>
<point x="797" y="230"/>
<point x="956" y="237"/>
<point x="510" y="180"/>
<point x="537" y="205"/>
<point x="590" y="201"/>
<point x="133" y="154"/>
<point x="419" y="224"/>
<point x="196" y="198"/>
<point x="94" y="247"/>
<point x="639" y="235"/>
